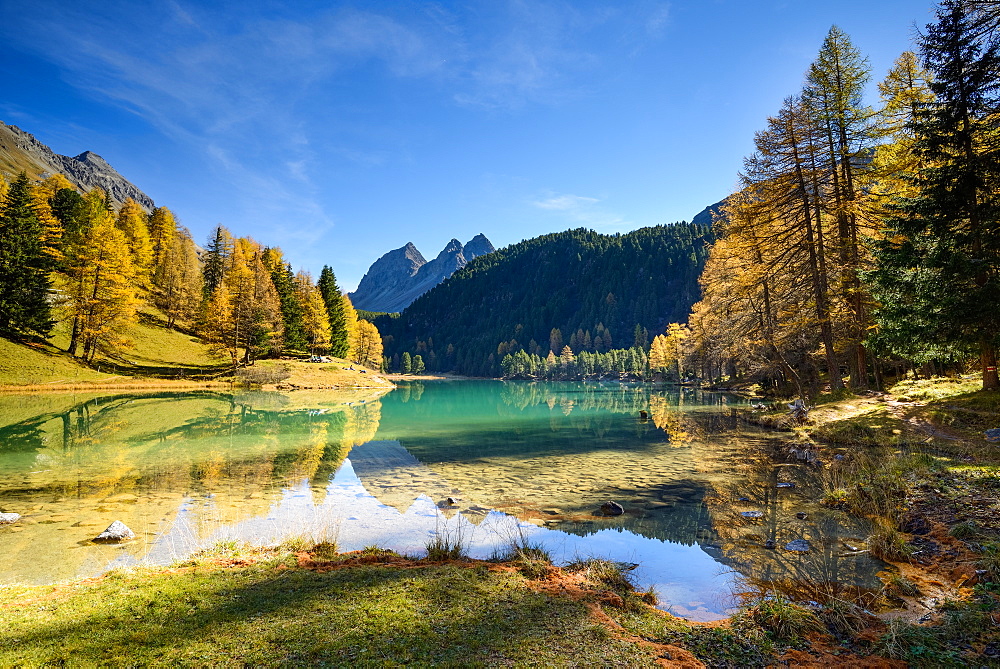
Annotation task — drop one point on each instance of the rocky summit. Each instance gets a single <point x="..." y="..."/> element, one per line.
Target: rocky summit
<point x="20" y="150"/>
<point x="402" y="275"/>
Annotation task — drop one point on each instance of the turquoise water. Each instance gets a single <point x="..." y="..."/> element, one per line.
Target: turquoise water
<point x="485" y="462"/>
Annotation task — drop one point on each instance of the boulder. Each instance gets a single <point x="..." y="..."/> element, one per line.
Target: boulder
<point x="798" y="546"/>
<point x="117" y="531"/>
<point x="612" y="509"/>
<point x="9" y="518"/>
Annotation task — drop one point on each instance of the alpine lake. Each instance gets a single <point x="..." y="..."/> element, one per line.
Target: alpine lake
<point x="711" y="505"/>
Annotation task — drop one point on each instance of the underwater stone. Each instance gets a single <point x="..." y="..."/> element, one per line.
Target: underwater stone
<point x="801" y="515"/>
<point x="798" y="546"/>
<point x="770" y="544"/>
<point x="786" y="485"/>
<point x="117" y="531"/>
<point x="8" y="518"/>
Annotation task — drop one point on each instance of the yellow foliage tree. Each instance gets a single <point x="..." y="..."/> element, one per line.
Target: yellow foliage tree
<point x="315" y="320"/>
<point x="132" y="222"/>
<point x="103" y="292"/>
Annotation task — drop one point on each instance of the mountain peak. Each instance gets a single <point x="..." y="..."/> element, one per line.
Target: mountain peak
<point x="392" y="285"/>
<point x="20" y="150"/>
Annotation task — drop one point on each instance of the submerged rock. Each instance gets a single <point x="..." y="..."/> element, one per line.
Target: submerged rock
<point x="801" y="515"/>
<point x="752" y="514"/>
<point x="770" y="544"/>
<point x="612" y="509"/>
<point x="117" y="531"/>
<point x="798" y="546"/>
<point x="8" y="518"/>
<point x="785" y="485"/>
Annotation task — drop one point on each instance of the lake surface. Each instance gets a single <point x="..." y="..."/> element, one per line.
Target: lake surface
<point x="525" y="462"/>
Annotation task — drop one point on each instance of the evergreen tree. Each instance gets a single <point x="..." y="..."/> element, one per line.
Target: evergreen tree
<point x="24" y="265"/>
<point x="291" y="308"/>
<point x="405" y="363"/>
<point x="332" y="297"/>
<point x="937" y="279"/>
<point x="217" y="253"/>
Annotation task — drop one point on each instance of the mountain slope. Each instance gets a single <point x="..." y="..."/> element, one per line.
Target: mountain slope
<point x="20" y="150"/>
<point x="402" y="275"/>
<point x="579" y="282"/>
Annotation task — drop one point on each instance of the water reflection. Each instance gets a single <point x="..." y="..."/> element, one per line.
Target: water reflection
<point x="185" y="469"/>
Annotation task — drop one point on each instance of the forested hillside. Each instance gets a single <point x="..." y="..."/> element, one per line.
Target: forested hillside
<point x="581" y="289"/>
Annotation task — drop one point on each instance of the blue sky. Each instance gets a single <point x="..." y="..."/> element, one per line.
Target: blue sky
<point x="339" y="130"/>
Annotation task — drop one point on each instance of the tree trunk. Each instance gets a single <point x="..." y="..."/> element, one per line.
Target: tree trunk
<point x="989" y="359"/>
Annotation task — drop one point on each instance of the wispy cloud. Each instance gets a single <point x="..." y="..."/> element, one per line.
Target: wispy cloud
<point x="580" y="209"/>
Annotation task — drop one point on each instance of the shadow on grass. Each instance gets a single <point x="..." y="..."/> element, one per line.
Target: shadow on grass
<point x="377" y="615"/>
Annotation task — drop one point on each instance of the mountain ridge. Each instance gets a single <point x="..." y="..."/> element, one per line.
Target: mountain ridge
<point x="402" y="275"/>
<point x="22" y="151"/>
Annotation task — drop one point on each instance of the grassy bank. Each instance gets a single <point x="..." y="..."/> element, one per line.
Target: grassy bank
<point x="236" y="606"/>
<point x="916" y="462"/>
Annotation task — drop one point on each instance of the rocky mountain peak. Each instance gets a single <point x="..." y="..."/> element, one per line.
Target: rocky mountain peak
<point x="402" y="275"/>
<point x="20" y="150"/>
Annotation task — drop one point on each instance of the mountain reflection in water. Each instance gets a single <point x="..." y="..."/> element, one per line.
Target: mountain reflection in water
<point x="520" y="461"/>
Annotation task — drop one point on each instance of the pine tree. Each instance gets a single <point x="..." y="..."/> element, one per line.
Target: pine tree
<point x="24" y="264"/>
<point x="948" y="235"/>
<point x="291" y="308"/>
<point x="406" y="363"/>
<point x="332" y="297"/>
<point x="217" y="253"/>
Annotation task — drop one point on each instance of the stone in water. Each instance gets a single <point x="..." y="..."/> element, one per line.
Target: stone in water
<point x="798" y="546"/>
<point x="612" y="509"/>
<point x="786" y="485"/>
<point x="752" y="514"/>
<point x="8" y="518"/>
<point x="117" y="531"/>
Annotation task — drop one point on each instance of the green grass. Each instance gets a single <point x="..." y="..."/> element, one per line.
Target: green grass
<point x="23" y="364"/>
<point x="269" y="614"/>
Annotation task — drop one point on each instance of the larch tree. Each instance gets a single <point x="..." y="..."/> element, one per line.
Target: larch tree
<point x="132" y="221"/>
<point x="24" y="264"/>
<point x="243" y="314"/>
<point x="315" y="319"/>
<point x="178" y="280"/>
<point x="833" y="94"/>
<point x="162" y="229"/>
<point x="369" y="347"/>
<point x="103" y="283"/>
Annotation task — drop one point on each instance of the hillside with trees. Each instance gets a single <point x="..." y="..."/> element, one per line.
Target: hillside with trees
<point x="577" y="290"/>
<point x="75" y="266"/>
